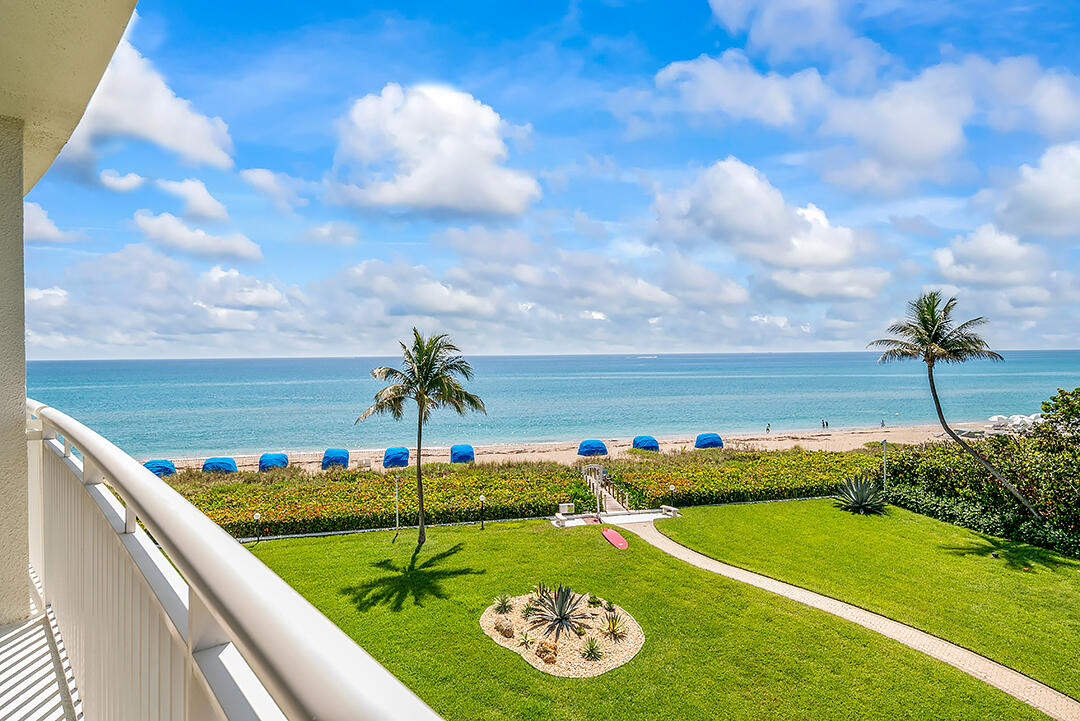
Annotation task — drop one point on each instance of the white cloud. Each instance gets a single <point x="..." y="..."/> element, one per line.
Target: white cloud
<point x="336" y="232"/>
<point x="990" y="257"/>
<point x="121" y="183"/>
<point x="231" y="289"/>
<point x="733" y="204"/>
<point x="413" y="290"/>
<point x="786" y="30"/>
<point x="430" y="147"/>
<point x="481" y="242"/>
<point x="731" y="85"/>
<point x="698" y="286"/>
<point x="170" y="232"/>
<point x="860" y="283"/>
<point x="38" y="227"/>
<point x="282" y="188"/>
<point x="1044" y="200"/>
<point x="198" y="203"/>
<point x="133" y="100"/>
<point x="46" y="298"/>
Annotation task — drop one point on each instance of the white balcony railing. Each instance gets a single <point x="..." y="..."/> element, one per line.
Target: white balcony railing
<point x="214" y="634"/>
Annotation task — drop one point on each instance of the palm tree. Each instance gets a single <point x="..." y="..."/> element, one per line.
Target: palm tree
<point x="429" y="377"/>
<point x="930" y="334"/>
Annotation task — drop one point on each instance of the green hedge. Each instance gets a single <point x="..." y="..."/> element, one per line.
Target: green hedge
<point x="944" y="482"/>
<point x="295" y="502"/>
<point x="1050" y="480"/>
<point x="711" y="476"/>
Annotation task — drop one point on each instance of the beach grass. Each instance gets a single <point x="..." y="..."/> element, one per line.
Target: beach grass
<point x="1020" y="608"/>
<point x="714" y="648"/>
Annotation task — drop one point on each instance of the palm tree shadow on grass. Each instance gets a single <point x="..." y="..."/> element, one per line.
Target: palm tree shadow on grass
<point x="402" y="581"/>
<point x="1016" y="556"/>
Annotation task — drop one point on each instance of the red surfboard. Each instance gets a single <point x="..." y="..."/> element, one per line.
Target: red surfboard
<point x="615" y="539"/>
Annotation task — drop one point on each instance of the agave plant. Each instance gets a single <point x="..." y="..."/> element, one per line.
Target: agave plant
<point x="860" y="495"/>
<point x="590" y="650"/>
<point x="525" y="640"/>
<point x="609" y="605"/>
<point x="503" y="604"/>
<point x="594" y="602"/>
<point x="527" y="610"/>
<point x="540" y="589"/>
<point x="614" y="627"/>
<point x="558" y="611"/>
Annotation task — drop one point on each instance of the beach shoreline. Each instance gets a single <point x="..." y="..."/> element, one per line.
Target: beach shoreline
<point x="565" y="452"/>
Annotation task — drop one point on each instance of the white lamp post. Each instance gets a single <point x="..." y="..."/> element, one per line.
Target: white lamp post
<point x="258" y="531"/>
<point x="482" y="499"/>
<point x="672" y="489"/>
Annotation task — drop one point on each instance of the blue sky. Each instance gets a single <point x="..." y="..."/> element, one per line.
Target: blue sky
<point x="279" y="180"/>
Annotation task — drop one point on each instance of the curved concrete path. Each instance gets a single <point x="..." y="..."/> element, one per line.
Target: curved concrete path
<point x="1053" y="703"/>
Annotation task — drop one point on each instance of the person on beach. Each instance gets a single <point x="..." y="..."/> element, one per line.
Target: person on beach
<point x="882" y="422"/>
<point x="822" y="424"/>
<point x="768" y="427"/>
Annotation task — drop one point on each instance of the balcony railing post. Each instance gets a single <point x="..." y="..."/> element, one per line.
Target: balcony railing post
<point x="37" y="433"/>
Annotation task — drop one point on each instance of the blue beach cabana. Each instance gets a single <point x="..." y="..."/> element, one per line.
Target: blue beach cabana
<point x="592" y="448"/>
<point x="161" y="468"/>
<point x="396" y="457"/>
<point x="335" y="457"/>
<point x="709" y="440"/>
<point x="462" y="453"/>
<point x="273" y="460"/>
<point x="646" y="443"/>
<point x="219" y="464"/>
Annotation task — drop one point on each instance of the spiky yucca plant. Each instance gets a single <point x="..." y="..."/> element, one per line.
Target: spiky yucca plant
<point x="860" y="495"/>
<point x="540" y="589"/>
<point x="525" y="640"/>
<point x="558" y="611"/>
<point x="590" y="650"/>
<point x="503" y="604"/>
<point x="614" y="627"/>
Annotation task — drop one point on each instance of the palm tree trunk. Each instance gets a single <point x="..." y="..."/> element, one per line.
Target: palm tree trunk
<point x="419" y="476"/>
<point x="971" y="451"/>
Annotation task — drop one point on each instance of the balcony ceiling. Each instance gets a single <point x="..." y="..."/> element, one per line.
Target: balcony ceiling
<point x="52" y="55"/>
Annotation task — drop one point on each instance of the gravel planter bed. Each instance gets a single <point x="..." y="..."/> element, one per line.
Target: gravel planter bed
<point x="568" y="660"/>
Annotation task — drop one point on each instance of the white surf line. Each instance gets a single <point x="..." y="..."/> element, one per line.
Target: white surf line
<point x="1053" y="703"/>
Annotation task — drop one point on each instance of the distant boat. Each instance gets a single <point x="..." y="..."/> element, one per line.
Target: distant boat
<point x="646" y="356"/>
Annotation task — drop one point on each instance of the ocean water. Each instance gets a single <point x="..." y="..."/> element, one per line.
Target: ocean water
<point x="177" y="408"/>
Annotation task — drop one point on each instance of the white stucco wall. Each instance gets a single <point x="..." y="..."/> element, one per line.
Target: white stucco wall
<point x="14" y="554"/>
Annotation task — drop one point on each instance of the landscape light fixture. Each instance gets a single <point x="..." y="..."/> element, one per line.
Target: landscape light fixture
<point x="482" y="499"/>
<point x="672" y="499"/>
<point x="258" y="531"/>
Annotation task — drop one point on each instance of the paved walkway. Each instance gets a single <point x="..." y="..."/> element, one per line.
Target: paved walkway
<point x="1053" y="703"/>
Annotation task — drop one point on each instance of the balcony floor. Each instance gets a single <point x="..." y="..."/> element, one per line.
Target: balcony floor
<point x="35" y="677"/>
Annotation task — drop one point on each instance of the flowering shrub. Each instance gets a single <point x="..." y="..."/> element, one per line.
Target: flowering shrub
<point x="295" y="502"/>
<point x="707" y="476"/>
<point x="1050" y="480"/>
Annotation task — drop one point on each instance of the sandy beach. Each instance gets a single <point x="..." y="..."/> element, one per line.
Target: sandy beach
<point x="841" y="439"/>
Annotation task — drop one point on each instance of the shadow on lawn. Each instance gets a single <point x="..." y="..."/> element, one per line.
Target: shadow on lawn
<point x="410" y="579"/>
<point x="1015" y="555"/>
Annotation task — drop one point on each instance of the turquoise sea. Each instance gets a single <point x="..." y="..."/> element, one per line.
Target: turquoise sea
<point x="176" y="408"/>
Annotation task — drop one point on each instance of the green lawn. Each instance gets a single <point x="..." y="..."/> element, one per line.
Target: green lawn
<point x="714" y="649"/>
<point x="1021" y="609"/>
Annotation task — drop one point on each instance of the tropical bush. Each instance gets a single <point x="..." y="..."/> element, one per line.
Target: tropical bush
<point x="293" y="501"/>
<point x="591" y="651"/>
<point x="725" y="476"/>
<point x="613" y="627"/>
<point x="860" y="495"/>
<point x="942" y="481"/>
<point x="503" y="604"/>
<point x="558" y="611"/>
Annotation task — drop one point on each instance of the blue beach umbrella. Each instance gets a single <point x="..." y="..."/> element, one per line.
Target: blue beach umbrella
<point x="161" y="468"/>
<point x="335" y="457"/>
<point x="709" y="440"/>
<point x="396" y="457"/>
<point x="592" y="448"/>
<point x="462" y="453"/>
<point x="273" y="460"/>
<point x="219" y="464"/>
<point x="646" y="443"/>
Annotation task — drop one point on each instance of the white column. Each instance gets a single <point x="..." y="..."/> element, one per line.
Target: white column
<point x="14" y="550"/>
